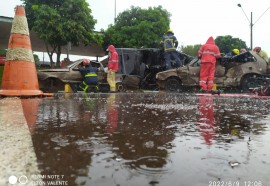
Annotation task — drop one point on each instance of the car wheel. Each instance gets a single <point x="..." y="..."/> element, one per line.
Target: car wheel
<point x="248" y="83"/>
<point x="53" y="85"/>
<point x="119" y="87"/>
<point x="173" y="85"/>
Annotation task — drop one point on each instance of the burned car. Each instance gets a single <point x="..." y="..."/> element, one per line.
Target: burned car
<point x="232" y="72"/>
<point x="137" y="71"/>
<point x="54" y="80"/>
<point x="145" y="63"/>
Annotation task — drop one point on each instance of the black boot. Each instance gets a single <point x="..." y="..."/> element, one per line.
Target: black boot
<point x="215" y="92"/>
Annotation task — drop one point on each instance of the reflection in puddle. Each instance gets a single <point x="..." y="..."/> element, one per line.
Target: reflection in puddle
<point x="152" y="139"/>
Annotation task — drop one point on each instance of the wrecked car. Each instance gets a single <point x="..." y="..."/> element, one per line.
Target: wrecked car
<point x="231" y="72"/>
<point x="137" y="71"/>
<point x="54" y="80"/>
<point x="145" y="63"/>
<point x="263" y="84"/>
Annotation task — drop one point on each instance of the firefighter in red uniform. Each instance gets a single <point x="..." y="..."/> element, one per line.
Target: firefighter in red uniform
<point x="208" y="54"/>
<point x="112" y="67"/>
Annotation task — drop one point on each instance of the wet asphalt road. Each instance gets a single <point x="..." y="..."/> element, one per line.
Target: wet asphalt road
<point x="136" y="139"/>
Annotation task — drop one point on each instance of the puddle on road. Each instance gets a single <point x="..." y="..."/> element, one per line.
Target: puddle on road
<point x="152" y="139"/>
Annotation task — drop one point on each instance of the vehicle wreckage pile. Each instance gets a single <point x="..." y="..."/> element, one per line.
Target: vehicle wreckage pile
<point x="144" y="69"/>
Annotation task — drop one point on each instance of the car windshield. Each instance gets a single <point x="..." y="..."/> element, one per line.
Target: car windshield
<point x="74" y="64"/>
<point x="93" y="63"/>
<point x="195" y="62"/>
<point x="241" y="58"/>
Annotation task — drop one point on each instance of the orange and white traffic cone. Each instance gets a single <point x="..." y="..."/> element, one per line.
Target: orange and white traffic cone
<point x="20" y="74"/>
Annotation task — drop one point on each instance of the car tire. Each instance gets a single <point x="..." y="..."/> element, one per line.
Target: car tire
<point x="120" y="87"/>
<point x="53" y="85"/>
<point x="173" y="85"/>
<point x="248" y="83"/>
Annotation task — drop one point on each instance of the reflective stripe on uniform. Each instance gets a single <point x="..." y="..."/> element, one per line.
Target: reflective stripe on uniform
<point x="84" y="88"/>
<point x="208" y="52"/>
<point x="166" y="44"/>
<point x="113" y="60"/>
<point x="90" y="75"/>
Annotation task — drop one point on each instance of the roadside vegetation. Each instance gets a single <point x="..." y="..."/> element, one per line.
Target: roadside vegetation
<point x="133" y="28"/>
<point x="59" y="23"/>
<point x="138" y="28"/>
<point x="225" y="44"/>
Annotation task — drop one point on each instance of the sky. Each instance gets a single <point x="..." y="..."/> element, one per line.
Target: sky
<point x="193" y="21"/>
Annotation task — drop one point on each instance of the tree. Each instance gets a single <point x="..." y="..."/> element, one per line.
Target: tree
<point x="3" y="52"/>
<point x="191" y="50"/>
<point x="137" y="27"/>
<point x="228" y="43"/>
<point x="36" y="58"/>
<point x="62" y="21"/>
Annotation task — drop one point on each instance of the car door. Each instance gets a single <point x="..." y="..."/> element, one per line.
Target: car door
<point x="219" y="74"/>
<point x="192" y="75"/>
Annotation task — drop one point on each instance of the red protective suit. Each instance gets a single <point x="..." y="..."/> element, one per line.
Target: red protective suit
<point x="113" y="59"/>
<point x="112" y="67"/>
<point x="208" y="53"/>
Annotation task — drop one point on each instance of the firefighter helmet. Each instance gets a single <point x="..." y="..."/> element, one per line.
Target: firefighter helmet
<point x="85" y="62"/>
<point x="236" y="51"/>
<point x="170" y="31"/>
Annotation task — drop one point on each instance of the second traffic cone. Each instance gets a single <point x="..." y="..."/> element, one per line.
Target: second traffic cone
<point x="20" y="74"/>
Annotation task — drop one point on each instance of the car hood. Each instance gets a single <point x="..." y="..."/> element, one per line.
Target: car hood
<point x="172" y="72"/>
<point x="55" y="70"/>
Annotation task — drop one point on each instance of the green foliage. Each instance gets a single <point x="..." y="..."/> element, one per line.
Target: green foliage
<point x="3" y="52"/>
<point x="225" y="44"/>
<point x="191" y="50"/>
<point x="137" y="27"/>
<point x="228" y="43"/>
<point x="36" y="58"/>
<point x="62" y="21"/>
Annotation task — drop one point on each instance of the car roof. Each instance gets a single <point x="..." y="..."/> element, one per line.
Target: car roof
<point x="79" y="61"/>
<point x="254" y="54"/>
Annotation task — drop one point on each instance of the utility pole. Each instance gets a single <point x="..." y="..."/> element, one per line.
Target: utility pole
<point x="251" y="31"/>
<point x="251" y="23"/>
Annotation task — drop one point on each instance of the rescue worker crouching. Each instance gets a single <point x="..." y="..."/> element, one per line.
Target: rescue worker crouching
<point x="112" y="67"/>
<point x="90" y="77"/>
